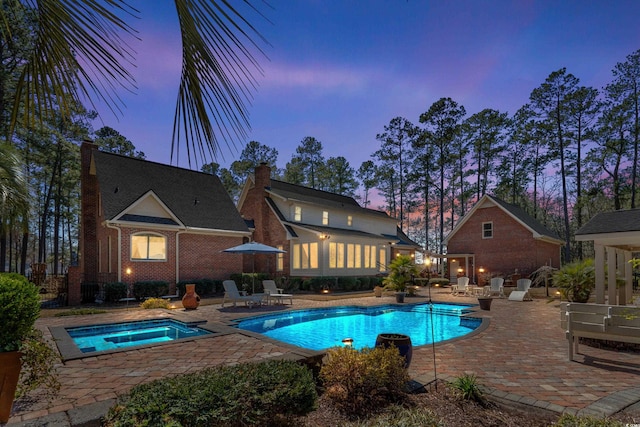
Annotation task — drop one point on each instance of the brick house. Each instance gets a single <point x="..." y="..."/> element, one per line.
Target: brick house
<point x="323" y="233"/>
<point x="142" y="220"/>
<point x="502" y="239"/>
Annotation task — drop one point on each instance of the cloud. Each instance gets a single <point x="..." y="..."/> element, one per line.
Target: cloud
<point x="323" y="77"/>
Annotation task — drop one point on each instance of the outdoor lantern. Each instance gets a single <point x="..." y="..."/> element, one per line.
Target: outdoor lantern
<point x="348" y="342"/>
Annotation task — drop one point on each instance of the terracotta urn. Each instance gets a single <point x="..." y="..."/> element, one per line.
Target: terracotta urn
<point x="190" y="300"/>
<point x="10" y="365"/>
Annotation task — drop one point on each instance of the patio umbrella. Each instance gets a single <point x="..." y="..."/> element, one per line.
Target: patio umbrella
<point x="253" y="248"/>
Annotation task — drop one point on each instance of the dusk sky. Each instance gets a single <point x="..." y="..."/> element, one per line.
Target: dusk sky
<point x="340" y="70"/>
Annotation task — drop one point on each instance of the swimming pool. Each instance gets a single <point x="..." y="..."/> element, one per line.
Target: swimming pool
<point x="112" y="336"/>
<point x="319" y="329"/>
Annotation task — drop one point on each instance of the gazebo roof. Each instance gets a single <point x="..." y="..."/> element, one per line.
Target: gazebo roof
<point x="619" y="229"/>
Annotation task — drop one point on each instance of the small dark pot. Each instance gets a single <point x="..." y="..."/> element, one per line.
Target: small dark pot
<point x="485" y="303"/>
<point x="400" y="296"/>
<point x="401" y="342"/>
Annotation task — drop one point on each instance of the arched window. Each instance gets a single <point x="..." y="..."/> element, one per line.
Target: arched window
<point x="147" y="246"/>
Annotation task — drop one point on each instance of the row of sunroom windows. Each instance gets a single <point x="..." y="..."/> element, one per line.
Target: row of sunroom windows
<point x="305" y="256"/>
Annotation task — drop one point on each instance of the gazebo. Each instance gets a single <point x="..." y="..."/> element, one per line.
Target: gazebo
<point x="616" y="236"/>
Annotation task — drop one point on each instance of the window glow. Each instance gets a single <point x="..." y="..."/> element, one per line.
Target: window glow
<point x="148" y="247"/>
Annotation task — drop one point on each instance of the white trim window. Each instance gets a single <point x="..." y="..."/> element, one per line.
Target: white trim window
<point x="336" y="255"/>
<point x="297" y="213"/>
<point x="280" y="259"/>
<point x="487" y="230"/>
<point x="148" y="247"/>
<point x="349" y="221"/>
<point x="305" y="256"/>
<point x="325" y="217"/>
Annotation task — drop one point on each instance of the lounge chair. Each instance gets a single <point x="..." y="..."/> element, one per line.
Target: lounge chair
<point x="231" y="293"/>
<point x="496" y="287"/>
<point x="462" y="287"/>
<point x="522" y="291"/>
<point x="275" y="293"/>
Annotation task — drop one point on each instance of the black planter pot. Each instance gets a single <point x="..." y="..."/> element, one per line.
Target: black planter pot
<point x="400" y="296"/>
<point x="400" y="341"/>
<point x="485" y="303"/>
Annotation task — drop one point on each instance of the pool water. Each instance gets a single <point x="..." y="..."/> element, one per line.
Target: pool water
<point x="319" y="329"/>
<point x="118" y="335"/>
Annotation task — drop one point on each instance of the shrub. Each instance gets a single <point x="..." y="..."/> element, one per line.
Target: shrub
<point x="20" y="304"/>
<point x="348" y="283"/>
<point x="203" y="286"/>
<point x="114" y="291"/>
<point x="360" y="381"/>
<point x="365" y="283"/>
<point x="38" y="366"/>
<point x="442" y="281"/>
<point x="150" y="288"/>
<point x="245" y="394"/>
<point x="467" y="388"/>
<point x="576" y="280"/>
<point x="154" y="303"/>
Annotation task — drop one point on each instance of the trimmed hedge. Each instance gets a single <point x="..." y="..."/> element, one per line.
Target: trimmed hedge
<point x="20" y="304"/>
<point x="245" y="394"/>
<point x="203" y="286"/>
<point x="114" y="291"/>
<point x="150" y="288"/>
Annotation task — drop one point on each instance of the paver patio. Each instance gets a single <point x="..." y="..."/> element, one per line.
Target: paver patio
<point x="521" y="357"/>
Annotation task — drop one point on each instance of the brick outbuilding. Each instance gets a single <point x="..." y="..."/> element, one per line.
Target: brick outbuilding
<point x="496" y="238"/>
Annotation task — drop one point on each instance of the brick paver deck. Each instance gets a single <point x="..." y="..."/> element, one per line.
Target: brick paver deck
<point x="520" y="357"/>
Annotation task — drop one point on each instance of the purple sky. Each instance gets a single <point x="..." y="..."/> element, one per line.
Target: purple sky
<point x="340" y="70"/>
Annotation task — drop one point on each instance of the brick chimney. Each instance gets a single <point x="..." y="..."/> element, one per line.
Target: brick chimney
<point x="263" y="176"/>
<point x="89" y="213"/>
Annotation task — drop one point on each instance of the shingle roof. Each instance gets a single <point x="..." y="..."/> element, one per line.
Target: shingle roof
<point x="197" y="199"/>
<point x="531" y="222"/>
<point x="319" y="197"/>
<point x="612" y="222"/>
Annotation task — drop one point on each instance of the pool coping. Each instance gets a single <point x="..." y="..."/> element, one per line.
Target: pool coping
<point x="70" y="351"/>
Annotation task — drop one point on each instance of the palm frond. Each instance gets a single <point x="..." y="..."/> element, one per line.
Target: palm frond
<point x="217" y="82"/>
<point x="79" y="53"/>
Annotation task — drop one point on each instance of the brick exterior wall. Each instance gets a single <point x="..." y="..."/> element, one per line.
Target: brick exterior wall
<point x="512" y="246"/>
<point x="200" y="254"/>
<point x="268" y="229"/>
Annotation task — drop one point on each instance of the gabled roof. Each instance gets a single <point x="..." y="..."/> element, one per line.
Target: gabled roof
<point x="300" y="193"/>
<point x="538" y="230"/>
<point x="612" y="222"/>
<point x="309" y="195"/>
<point x="195" y="199"/>
<point x="620" y="229"/>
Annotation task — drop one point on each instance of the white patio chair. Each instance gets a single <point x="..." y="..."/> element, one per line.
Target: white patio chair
<point x="522" y="291"/>
<point x="275" y="293"/>
<point x="496" y="287"/>
<point x="462" y="287"/>
<point x="231" y="293"/>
